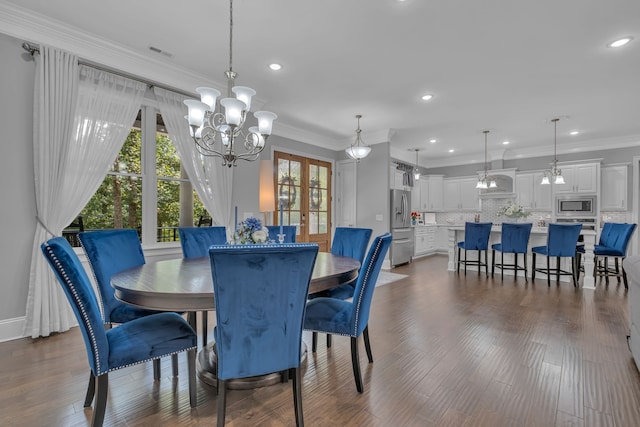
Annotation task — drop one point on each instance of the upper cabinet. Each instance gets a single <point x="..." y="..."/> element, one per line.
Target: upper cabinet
<point x="397" y="179"/>
<point x="613" y="192"/>
<point x="578" y="178"/>
<point x="531" y="194"/>
<point x="426" y="194"/>
<point x="461" y="194"/>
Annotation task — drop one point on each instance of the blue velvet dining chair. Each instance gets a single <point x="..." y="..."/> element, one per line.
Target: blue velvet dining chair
<point x="136" y="341"/>
<point x="476" y="238"/>
<point x="562" y="241"/>
<point x="288" y="230"/>
<point x="195" y="242"/>
<point x="613" y="243"/>
<point x="351" y="318"/>
<point x="110" y="252"/>
<point x="260" y="294"/>
<point x="514" y="239"/>
<point x="351" y="242"/>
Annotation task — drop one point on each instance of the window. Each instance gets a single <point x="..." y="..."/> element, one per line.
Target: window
<point x="145" y="188"/>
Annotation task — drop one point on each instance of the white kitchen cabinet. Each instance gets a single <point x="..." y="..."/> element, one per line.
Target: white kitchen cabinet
<point x="578" y="178"/>
<point x="433" y="191"/>
<point x="425" y="240"/>
<point x="613" y="192"/>
<point x="416" y="195"/>
<point x="397" y="179"/>
<point x="461" y="194"/>
<point x="530" y="194"/>
<point x="442" y="239"/>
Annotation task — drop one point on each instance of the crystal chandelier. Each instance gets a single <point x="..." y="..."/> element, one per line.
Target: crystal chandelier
<point x="358" y="150"/>
<point x="484" y="182"/>
<point x="554" y="173"/>
<point x="218" y="134"/>
<point x="416" y="171"/>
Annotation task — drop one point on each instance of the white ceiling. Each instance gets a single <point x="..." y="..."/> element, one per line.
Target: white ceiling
<point x="506" y="66"/>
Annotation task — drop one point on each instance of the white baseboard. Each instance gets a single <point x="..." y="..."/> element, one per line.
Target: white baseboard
<point x="12" y="329"/>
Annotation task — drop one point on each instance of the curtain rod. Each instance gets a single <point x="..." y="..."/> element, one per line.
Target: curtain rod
<point x="32" y="49"/>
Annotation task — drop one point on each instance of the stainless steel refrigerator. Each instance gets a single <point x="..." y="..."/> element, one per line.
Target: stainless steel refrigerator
<point x="402" y="235"/>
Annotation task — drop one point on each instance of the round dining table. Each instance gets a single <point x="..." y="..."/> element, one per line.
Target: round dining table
<point x="186" y="285"/>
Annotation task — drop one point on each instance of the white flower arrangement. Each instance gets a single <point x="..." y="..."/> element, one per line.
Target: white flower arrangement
<point x="250" y="231"/>
<point x="512" y="210"/>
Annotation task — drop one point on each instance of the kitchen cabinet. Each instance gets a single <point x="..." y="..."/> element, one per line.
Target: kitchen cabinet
<point x="532" y="195"/>
<point x="426" y="194"/>
<point x="397" y="179"/>
<point x="416" y="195"/>
<point x="613" y="193"/>
<point x="578" y="178"/>
<point x="425" y="240"/>
<point x="442" y="239"/>
<point x="461" y="194"/>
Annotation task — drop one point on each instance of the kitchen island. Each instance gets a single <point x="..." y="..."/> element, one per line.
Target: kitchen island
<point x="538" y="238"/>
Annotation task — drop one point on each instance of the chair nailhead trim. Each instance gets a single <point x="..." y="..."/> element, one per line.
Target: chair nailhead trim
<point x="365" y="282"/>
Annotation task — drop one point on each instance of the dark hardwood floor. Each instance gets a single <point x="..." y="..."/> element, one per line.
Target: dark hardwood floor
<point x="448" y="350"/>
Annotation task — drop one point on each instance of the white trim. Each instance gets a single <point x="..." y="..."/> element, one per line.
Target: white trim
<point x="12" y="329"/>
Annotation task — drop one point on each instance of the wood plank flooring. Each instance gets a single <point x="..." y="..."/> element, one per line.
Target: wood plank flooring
<point x="448" y="350"/>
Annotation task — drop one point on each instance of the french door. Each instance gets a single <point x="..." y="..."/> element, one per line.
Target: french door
<point x="303" y="188"/>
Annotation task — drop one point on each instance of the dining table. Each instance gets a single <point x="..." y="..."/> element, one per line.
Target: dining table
<point x="186" y="285"/>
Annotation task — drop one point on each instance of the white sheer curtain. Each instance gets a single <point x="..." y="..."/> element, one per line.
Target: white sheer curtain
<point x="82" y="117"/>
<point x="212" y="181"/>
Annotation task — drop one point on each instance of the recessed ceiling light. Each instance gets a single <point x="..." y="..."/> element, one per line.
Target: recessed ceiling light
<point x="433" y="141"/>
<point x="620" y="42"/>
<point x="574" y="132"/>
<point x="427" y="97"/>
<point x="275" y="67"/>
<point x="506" y="142"/>
<point x="451" y="150"/>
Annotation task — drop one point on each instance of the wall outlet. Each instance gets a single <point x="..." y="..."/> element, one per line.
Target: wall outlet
<point x="379" y="217"/>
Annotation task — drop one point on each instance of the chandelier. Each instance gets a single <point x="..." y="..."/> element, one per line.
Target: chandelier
<point x="416" y="171"/>
<point x="484" y="181"/>
<point x="220" y="134"/>
<point x="554" y="173"/>
<point x="358" y="150"/>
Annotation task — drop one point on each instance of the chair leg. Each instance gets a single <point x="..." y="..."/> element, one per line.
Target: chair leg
<point x="465" y="262"/>
<point x="355" y="362"/>
<point x="557" y="269"/>
<point x="573" y="272"/>
<point x="314" y="341"/>
<point x="548" y="271"/>
<point x="606" y="270"/>
<point x="458" y="263"/>
<point x="328" y="340"/>
<point x="367" y="344"/>
<point x="91" y="390"/>
<point x="515" y="265"/>
<point x="297" y="397"/>
<point x="533" y="266"/>
<point x="157" y="373"/>
<point x="191" y="371"/>
<point x="102" y="389"/>
<point x="624" y="277"/>
<point x="205" y="324"/>
<point x="174" y="364"/>
<point x="222" y="402"/>
<point x="486" y="263"/>
<point x="493" y="262"/>
<point x="525" y="266"/>
<point x="617" y="269"/>
<point x="502" y="264"/>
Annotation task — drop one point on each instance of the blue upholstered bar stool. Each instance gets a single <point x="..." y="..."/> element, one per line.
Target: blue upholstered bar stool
<point x="110" y="252"/>
<point x="195" y="242"/>
<point x="136" y="341"/>
<point x="562" y="240"/>
<point x="261" y="293"/>
<point x="613" y="243"/>
<point x="351" y="318"/>
<point x="351" y="242"/>
<point x="476" y="238"/>
<point x="288" y="230"/>
<point x="514" y="239"/>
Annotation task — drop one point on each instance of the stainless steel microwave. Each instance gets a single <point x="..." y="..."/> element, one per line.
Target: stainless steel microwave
<point x="576" y="206"/>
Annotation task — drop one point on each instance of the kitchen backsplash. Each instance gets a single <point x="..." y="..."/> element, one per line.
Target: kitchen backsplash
<point x="490" y="208"/>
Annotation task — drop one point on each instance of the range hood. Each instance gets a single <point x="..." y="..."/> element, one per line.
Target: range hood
<point x="505" y="184"/>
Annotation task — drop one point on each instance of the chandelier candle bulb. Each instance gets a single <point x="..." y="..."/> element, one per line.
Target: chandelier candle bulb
<point x="208" y="96"/>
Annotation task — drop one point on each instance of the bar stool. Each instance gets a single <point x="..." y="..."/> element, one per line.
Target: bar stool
<point x="614" y="239"/>
<point x="561" y="242"/>
<point x="476" y="238"/>
<point x="514" y="240"/>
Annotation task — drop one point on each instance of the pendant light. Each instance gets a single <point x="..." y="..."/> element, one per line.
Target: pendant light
<point x="554" y="174"/>
<point x="416" y="171"/>
<point x="358" y="150"/>
<point x="483" y="181"/>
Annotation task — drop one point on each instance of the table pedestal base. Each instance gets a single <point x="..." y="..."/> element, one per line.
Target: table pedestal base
<point x="206" y="367"/>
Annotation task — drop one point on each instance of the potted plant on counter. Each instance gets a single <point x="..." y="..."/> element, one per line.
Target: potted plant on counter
<point x="513" y="211"/>
<point x="414" y="217"/>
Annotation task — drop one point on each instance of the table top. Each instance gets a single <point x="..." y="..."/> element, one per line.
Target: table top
<point x="186" y="284"/>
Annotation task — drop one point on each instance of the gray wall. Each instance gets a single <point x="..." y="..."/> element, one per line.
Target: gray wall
<point x="373" y="189"/>
<point x="17" y="224"/>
